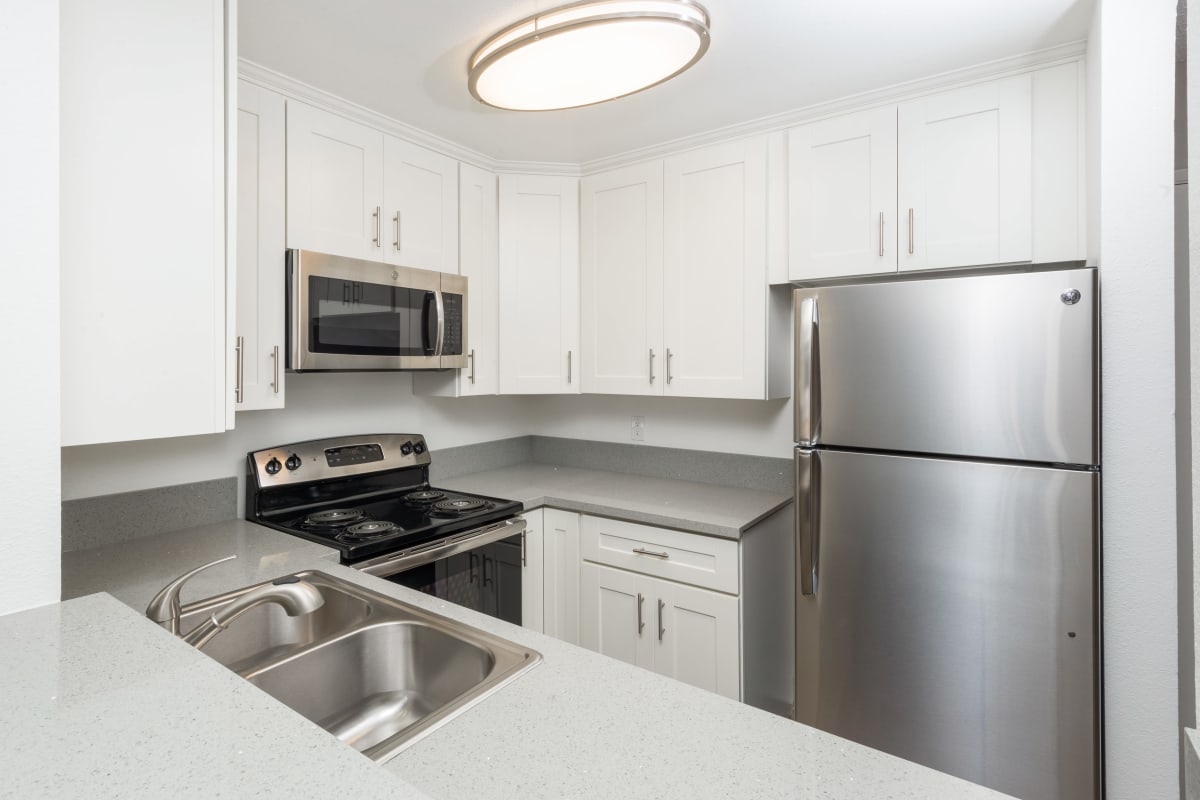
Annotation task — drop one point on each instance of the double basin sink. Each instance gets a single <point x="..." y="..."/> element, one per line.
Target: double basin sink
<point x="375" y="672"/>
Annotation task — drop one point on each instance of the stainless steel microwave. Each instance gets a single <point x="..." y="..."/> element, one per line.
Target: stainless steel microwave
<point x="348" y="314"/>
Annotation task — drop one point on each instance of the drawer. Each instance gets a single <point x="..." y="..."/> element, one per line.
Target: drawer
<point x="685" y="557"/>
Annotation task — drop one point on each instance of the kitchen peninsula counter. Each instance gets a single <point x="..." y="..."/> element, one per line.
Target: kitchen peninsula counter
<point x="577" y="725"/>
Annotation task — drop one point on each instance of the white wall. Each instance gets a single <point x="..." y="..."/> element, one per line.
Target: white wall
<point x="1133" y="60"/>
<point x="318" y="405"/>
<point x="29" y="316"/>
<point x="1193" y="101"/>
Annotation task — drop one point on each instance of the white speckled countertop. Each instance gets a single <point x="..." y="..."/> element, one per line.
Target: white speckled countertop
<point x="724" y="511"/>
<point x="577" y="725"/>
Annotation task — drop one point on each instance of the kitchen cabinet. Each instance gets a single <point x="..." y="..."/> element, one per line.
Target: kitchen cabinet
<point x="334" y="184"/>
<point x="989" y="173"/>
<point x="550" y="582"/>
<point x="539" y="284"/>
<point x="355" y="191"/>
<point x="260" y="249"/>
<point x="674" y="273"/>
<point x="664" y="600"/>
<point x="144" y="215"/>
<point x="477" y="261"/>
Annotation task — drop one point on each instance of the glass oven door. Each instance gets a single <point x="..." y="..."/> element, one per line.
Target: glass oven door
<point x="486" y="579"/>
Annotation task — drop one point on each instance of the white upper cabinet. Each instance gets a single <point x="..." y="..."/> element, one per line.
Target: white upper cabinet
<point x="621" y="276"/>
<point x="715" y="293"/>
<point x="334" y="184"/>
<point x="143" y="249"/>
<point x="842" y="173"/>
<point x="420" y="201"/>
<point x="477" y="259"/>
<point x="260" y="249"/>
<point x="965" y="176"/>
<point x="990" y="173"/>
<point x="539" y="284"/>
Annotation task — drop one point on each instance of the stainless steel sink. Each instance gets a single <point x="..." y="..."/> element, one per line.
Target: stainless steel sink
<point x="375" y="672"/>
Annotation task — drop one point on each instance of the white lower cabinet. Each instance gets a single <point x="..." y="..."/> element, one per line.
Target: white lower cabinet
<point x="636" y="614"/>
<point x="550" y="582"/>
<point x="676" y="630"/>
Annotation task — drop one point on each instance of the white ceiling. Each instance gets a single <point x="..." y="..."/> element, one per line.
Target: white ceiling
<point x="407" y="59"/>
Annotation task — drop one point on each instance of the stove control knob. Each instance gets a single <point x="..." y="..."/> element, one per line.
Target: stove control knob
<point x="419" y="448"/>
<point x="273" y="466"/>
<point x="406" y="449"/>
<point x="293" y="462"/>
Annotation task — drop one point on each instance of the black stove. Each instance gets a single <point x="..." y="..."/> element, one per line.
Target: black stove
<point x="366" y="496"/>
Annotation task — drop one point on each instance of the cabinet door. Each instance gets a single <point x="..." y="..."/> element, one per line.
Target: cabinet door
<point x="477" y="257"/>
<point x="696" y="637"/>
<point x="533" y="573"/>
<point x="561" y="574"/>
<point x="965" y="176"/>
<point x="420" y="202"/>
<point x="143" y="248"/>
<point x="842" y="191"/>
<point x="260" y="247"/>
<point x="613" y="618"/>
<point x="621" y="280"/>
<point x="334" y="184"/>
<point x="539" y="285"/>
<point x="715" y="272"/>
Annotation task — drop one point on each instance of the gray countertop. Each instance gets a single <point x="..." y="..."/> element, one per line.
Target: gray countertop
<point x="577" y="725"/>
<point x="724" y="511"/>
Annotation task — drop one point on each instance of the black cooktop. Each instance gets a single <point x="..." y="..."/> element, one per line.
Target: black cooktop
<point x="363" y="495"/>
<point x="386" y="522"/>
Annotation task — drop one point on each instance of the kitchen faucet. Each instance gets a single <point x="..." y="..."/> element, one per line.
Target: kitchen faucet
<point x="297" y="597"/>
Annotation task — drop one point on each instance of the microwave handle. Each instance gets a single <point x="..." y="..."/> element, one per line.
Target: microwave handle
<point x="441" y="322"/>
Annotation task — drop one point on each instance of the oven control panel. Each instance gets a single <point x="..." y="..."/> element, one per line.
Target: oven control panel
<point x="321" y="459"/>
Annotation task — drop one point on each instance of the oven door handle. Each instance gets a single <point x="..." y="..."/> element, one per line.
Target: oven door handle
<point x="393" y="563"/>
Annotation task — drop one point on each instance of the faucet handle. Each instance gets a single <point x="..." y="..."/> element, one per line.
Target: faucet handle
<point x="164" y="608"/>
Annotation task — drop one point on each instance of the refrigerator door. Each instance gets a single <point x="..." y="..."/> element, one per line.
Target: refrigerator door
<point x="987" y="366"/>
<point x="952" y="621"/>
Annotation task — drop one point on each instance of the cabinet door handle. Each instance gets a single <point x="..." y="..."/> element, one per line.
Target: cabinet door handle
<point x="524" y="562"/>
<point x="661" y="629"/>
<point x="641" y="551"/>
<point x="471" y="358"/>
<point x="910" y="231"/>
<point x="396" y="225"/>
<point x="569" y="352"/>
<point x="641" y="624"/>
<point x="669" y="354"/>
<point x="881" y="234"/>
<point x="239" y="369"/>
<point x="376" y="214"/>
<point x="275" y="358"/>
<point x="651" y="365"/>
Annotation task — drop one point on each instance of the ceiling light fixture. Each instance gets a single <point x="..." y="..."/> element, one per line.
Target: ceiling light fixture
<point x="588" y="52"/>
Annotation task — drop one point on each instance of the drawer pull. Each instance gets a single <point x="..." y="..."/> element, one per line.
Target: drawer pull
<point x="652" y="553"/>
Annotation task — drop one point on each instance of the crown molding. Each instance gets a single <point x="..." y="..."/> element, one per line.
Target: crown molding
<point x="298" y="90"/>
<point x="896" y="93"/>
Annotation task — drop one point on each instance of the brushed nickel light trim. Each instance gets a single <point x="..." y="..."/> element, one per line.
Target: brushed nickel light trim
<point x="560" y="24"/>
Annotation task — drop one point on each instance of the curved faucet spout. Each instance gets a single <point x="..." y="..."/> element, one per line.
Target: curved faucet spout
<point x="296" y="597"/>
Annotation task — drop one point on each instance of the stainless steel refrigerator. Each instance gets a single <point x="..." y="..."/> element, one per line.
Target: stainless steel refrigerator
<point x="947" y="520"/>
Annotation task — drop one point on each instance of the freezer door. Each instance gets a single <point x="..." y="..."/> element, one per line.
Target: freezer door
<point x="952" y="621"/>
<point x="986" y="366"/>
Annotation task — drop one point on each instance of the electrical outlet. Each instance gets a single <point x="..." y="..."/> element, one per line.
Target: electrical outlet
<point x="637" y="429"/>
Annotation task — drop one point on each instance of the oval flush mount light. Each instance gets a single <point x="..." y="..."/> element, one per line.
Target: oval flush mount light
<point x="588" y="52"/>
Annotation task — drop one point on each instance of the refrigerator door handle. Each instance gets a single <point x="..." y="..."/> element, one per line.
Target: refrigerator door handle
<point x="808" y="519"/>
<point x="808" y="384"/>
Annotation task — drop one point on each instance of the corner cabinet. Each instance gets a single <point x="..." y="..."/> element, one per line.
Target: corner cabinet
<point x="355" y="191"/>
<point x="675" y="296"/>
<point x="989" y="173"/>
<point x="261" y="224"/>
<point x="477" y="261"/>
<point x="539" y="284"/>
<point x="145" y="107"/>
